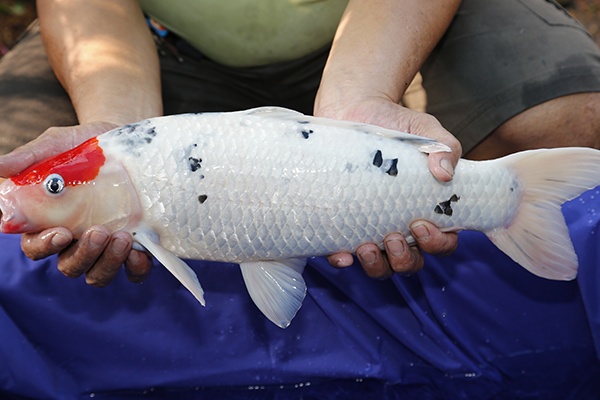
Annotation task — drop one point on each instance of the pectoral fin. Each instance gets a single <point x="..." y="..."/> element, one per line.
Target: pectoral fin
<point x="276" y="287"/>
<point x="173" y="264"/>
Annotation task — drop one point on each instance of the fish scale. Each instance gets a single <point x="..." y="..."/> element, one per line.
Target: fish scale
<point x="256" y="198"/>
<point x="269" y="187"/>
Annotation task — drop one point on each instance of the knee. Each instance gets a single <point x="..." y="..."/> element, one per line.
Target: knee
<point x="569" y="121"/>
<point x="586" y="126"/>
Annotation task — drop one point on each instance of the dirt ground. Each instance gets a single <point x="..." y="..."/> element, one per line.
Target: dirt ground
<point x="588" y="13"/>
<point x="15" y="15"/>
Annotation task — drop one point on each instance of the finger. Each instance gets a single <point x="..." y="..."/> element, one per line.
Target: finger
<point x="42" y="147"/>
<point x="16" y="161"/>
<point x="138" y="266"/>
<point x="442" y="164"/>
<point x="341" y="260"/>
<point x="373" y="262"/>
<point x="433" y="241"/>
<point x="402" y="258"/>
<point x="110" y="261"/>
<point x="81" y="255"/>
<point x="41" y="245"/>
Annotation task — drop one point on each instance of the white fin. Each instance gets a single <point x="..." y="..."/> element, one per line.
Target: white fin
<point x="538" y="237"/>
<point x="423" y="144"/>
<point x="173" y="264"/>
<point x="276" y="287"/>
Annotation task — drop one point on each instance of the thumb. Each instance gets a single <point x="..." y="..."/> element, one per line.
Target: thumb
<point x="442" y="165"/>
<point x="53" y="141"/>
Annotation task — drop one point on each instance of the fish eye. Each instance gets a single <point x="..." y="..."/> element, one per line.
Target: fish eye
<point x="54" y="184"/>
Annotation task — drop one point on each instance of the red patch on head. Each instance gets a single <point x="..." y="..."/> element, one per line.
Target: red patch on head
<point x="76" y="166"/>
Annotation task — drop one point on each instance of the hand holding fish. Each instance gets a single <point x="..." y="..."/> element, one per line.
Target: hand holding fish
<point x="98" y="253"/>
<point x="399" y="256"/>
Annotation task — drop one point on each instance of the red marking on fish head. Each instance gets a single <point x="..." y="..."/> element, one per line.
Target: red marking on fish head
<point x="82" y="187"/>
<point x="77" y="166"/>
<point x="34" y="199"/>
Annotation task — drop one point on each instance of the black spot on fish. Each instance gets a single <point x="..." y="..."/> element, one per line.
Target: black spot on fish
<point x="129" y="128"/>
<point x="393" y="170"/>
<point x="445" y="207"/>
<point x="387" y="165"/>
<point x="307" y="133"/>
<point x="202" y="198"/>
<point x="378" y="159"/>
<point x="134" y="136"/>
<point x="195" y="163"/>
<point x="351" y="167"/>
<point x="150" y="134"/>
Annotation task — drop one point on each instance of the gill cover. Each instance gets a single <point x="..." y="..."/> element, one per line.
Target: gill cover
<point x="75" y="189"/>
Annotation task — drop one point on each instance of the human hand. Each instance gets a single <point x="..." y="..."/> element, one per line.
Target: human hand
<point x="399" y="256"/>
<point x="98" y="253"/>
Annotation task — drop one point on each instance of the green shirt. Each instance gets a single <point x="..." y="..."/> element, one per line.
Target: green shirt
<point x="245" y="33"/>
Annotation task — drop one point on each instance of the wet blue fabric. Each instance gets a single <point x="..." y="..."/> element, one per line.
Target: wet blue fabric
<point x="472" y="325"/>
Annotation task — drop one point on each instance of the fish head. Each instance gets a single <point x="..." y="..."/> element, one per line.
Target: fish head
<point x="76" y="189"/>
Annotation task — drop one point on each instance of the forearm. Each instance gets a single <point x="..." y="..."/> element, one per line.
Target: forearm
<point x="104" y="56"/>
<point x="379" y="47"/>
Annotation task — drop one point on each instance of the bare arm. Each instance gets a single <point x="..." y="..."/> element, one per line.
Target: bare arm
<point x="378" y="48"/>
<point x="103" y="54"/>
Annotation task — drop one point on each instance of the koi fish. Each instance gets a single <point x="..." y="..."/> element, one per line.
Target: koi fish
<point x="268" y="187"/>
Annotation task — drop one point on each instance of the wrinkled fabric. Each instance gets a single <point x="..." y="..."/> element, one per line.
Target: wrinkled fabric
<point x="472" y="325"/>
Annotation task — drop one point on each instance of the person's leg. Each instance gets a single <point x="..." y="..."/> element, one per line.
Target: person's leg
<point x="515" y="75"/>
<point x="572" y="120"/>
<point x="32" y="98"/>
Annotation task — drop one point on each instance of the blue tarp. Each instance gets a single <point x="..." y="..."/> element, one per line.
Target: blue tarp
<point x="472" y="325"/>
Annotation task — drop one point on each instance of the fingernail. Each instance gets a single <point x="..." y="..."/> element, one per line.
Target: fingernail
<point x="119" y="246"/>
<point x="60" y="240"/>
<point x="395" y="247"/>
<point x="420" y="231"/>
<point x="98" y="238"/>
<point x="446" y="165"/>
<point x="134" y="258"/>
<point x="368" y="257"/>
<point x="337" y="262"/>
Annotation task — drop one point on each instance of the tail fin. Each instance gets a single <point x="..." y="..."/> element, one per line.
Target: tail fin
<point x="538" y="238"/>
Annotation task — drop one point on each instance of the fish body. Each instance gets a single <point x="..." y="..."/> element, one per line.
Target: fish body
<point x="268" y="187"/>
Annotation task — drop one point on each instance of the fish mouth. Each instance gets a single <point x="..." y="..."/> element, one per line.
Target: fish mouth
<point x="11" y="220"/>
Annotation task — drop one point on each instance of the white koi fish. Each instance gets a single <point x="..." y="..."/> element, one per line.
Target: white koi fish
<point x="268" y="187"/>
